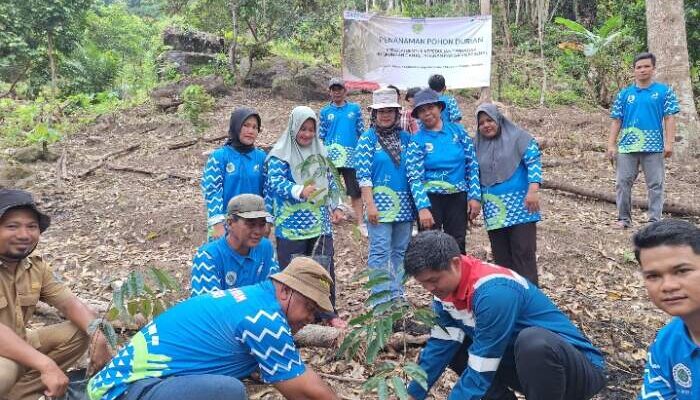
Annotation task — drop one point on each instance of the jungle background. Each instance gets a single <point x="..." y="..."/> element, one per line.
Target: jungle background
<point x="108" y="110"/>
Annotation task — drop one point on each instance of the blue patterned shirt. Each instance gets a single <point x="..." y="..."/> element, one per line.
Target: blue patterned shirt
<point x="216" y="266"/>
<point x="340" y="127"/>
<point x="503" y="203"/>
<point x="451" y="112"/>
<point x="227" y="174"/>
<point x="672" y="371"/>
<point x="295" y="219"/>
<point x="442" y="162"/>
<point x="642" y="111"/>
<point x="389" y="183"/>
<point x="232" y="333"/>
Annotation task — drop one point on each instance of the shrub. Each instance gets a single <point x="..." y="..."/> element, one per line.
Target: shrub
<point x="196" y="101"/>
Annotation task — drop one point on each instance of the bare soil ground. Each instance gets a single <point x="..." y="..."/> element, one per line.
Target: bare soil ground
<point x="111" y="222"/>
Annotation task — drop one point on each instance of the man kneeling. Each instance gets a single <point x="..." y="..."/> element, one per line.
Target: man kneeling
<point x="200" y="348"/>
<point x="497" y="331"/>
<point x="669" y="254"/>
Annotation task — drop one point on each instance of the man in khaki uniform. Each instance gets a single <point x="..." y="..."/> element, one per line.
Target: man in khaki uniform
<point x="32" y="362"/>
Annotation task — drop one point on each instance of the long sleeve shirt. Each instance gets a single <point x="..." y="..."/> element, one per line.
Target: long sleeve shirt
<point x="451" y="112"/>
<point x="490" y="307"/>
<point x="389" y="182"/>
<point x="227" y="174"/>
<point x="503" y="203"/>
<point x="340" y="127"/>
<point x="442" y="162"/>
<point x="296" y="218"/>
<point x="216" y="266"/>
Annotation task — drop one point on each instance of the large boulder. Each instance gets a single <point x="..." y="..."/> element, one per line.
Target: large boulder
<point x="184" y="62"/>
<point x="193" y="41"/>
<point x="168" y="97"/>
<point x="290" y="79"/>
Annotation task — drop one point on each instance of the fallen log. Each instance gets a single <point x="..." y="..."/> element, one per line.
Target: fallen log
<point x="174" y="175"/>
<point x="669" y="206"/>
<point x="329" y="337"/>
<point x="103" y="159"/>
<point x="192" y="142"/>
<point x="547" y="143"/>
<point x="559" y="162"/>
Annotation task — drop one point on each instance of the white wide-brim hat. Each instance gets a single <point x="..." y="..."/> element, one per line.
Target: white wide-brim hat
<point x="384" y="98"/>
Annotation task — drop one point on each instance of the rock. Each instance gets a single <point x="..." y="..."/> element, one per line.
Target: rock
<point x="33" y="154"/>
<point x="168" y="97"/>
<point x="193" y="41"/>
<point x="184" y="62"/>
<point x="11" y="173"/>
<point x="291" y="80"/>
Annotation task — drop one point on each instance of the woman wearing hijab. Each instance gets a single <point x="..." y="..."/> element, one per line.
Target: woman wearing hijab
<point x="442" y="170"/>
<point x="380" y="162"/>
<point x="232" y="169"/>
<point x="303" y="194"/>
<point x="510" y="173"/>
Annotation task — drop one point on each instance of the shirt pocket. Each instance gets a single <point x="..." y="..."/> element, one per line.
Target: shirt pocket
<point x="3" y="302"/>
<point x="28" y="303"/>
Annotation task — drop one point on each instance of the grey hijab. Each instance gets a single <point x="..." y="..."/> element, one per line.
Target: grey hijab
<point x="288" y="150"/>
<point x="500" y="156"/>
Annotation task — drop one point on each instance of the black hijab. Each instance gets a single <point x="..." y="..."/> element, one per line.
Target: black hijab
<point x="238" y="117"/>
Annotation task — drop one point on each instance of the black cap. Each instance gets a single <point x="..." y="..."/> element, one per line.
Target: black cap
<point x="13" y="198"/>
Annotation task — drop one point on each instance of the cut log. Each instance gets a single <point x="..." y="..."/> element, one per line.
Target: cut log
<point x="669" y="206"/>
<point x="546" y="143"/>
<point x="103" y="159"/>
<point x="329" y="337"/>
<point x="146" y="172"/>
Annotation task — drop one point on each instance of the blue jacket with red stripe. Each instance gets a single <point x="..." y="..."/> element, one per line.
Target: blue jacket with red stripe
<point x="491" y="306"/>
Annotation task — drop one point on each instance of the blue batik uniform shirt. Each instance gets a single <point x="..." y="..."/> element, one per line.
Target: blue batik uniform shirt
<point x="216" y="266"/>
<point x="642" y="111"/>
<point x="295" y="218"/>
<point x="672" y="371"/>
<point x="389" y="184"/>
<point x="451" y="112"/>
<point x="340" y="127"/>
<point x="504" y="203"/>
<point x="442" y="162"/>
<point x="232" y="333"/>
<point x="227" y="174"/>
<point x="491" y="306"/>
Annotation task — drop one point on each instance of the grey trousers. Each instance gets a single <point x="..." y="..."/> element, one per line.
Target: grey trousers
<point x="627" y="170"/>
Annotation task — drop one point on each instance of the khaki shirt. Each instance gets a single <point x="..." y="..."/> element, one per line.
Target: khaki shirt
<point x="33" y="280"/>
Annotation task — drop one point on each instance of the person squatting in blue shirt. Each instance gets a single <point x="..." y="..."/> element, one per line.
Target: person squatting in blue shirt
<point x="497" y="331"/>
<point x="668" y="252"/>
<point x="451" y="112"/>
<point x="380" y="161"/>
<point x="201" y="348"/>
<point x="341" y="125"/>
<point x="510" y="173"/>
<point x="443" y="171"/>
<point x="643" y="118"/>
<point x="243" y="256"/>
<point x="232" y="169"/>
<point x="303" y="195"/>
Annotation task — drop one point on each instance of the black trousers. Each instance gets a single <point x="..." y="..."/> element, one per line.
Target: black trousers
<point x="515" y="247"/>
<point x="288" y="249"/>
<point x="547" y="367"/>
<point x="450" y="215"/>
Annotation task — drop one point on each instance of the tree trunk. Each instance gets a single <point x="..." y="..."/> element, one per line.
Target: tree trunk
<point x="485" y="9"/>
<point x="541" y="13"/>
<point x="669" y="206"/>
<point x="234" y="42"/>
<point x="517" y="11"/>
<point x="667" y="39"/>
<point x="504" y="21"/>
<point x="52" y="62"/>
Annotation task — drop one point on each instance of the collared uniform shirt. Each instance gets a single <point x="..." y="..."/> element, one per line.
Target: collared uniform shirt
<point x="216" y="266"/>
<point x="227" y="174"/>
<point x="442" y="162"/>
<point x="642" y="111"/>
<point x="451" y="112"/>
<point x="492" y="305"/>
<point x="340" y="127"/>
<point x="232" y="333"/>
<point x="672" y="371"/>
<point x="32" y="281"/>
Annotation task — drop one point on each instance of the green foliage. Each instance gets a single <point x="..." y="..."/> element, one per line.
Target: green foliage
<point x="374" y="329"/>
<point x="317" y="166"/>
<point x="595" y="40"/>
<point x="142" y="294"/>
<point x="195" y="102"/>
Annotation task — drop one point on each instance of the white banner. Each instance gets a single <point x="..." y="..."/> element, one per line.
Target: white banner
<point x="404" y="52"/>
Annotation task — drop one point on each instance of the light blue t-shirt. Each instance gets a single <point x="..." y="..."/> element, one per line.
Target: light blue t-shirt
<point x="340" y="127"/>
<point x="642" y="111"/>
<point x="227" y="174"/>
<point x="216" y="266"/>
<point x="672" y="371"/>
<point x="232" y="333"/>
